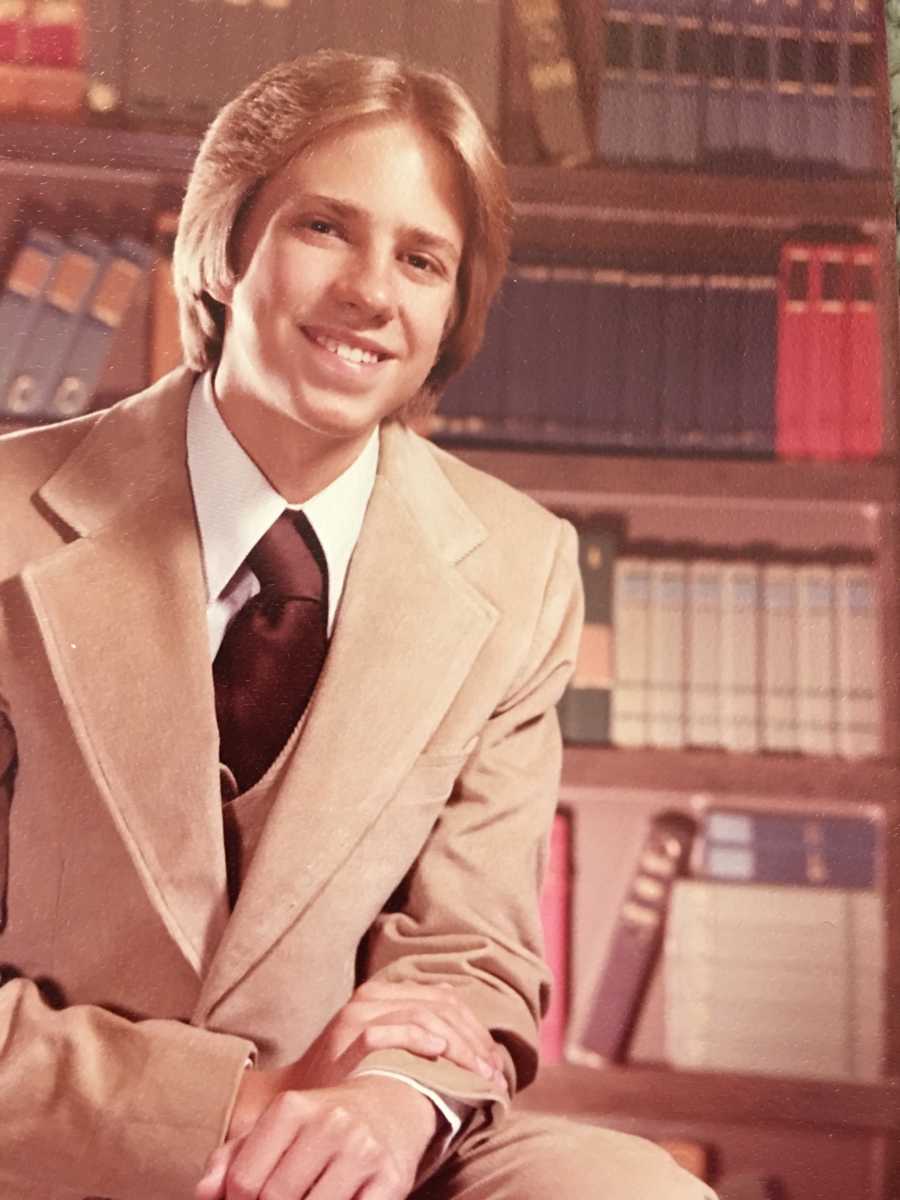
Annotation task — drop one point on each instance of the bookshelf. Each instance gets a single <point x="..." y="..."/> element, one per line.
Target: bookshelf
<point x="688" y="219"/>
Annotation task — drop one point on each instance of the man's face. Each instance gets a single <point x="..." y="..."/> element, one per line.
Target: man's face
<point x="347" y="264"/>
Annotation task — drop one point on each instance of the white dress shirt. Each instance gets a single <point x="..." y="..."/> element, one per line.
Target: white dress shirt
<point x="235" y="505"/>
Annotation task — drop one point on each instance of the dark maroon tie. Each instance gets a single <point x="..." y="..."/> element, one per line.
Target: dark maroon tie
<point x="273" y="650"/>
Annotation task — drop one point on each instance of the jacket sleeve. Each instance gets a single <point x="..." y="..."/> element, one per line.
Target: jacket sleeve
<point x="92" y="1103"/>
<point x="468" y="911"/>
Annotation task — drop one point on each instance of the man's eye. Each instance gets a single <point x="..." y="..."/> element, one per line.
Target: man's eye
<point x="421" y="263"/>
<point x="320" y="225"/>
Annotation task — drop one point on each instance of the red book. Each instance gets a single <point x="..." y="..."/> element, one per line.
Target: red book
<point x="830" y="350"/>
<point x="794" y="382"/>
<point x="54" y="33"/>
<point x="556" y="921"/>
<point x="865" y="388"/>
<point x="12" y="31"/>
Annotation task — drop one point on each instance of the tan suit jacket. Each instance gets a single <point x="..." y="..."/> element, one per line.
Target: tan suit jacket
<point x="407" y="837"/>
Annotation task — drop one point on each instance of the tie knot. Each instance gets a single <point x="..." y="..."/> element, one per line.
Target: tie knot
<point x="288" y="559"/>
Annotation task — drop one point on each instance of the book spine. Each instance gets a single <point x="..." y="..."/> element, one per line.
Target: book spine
<point x="91" y="339"/>
<point x="789" y="112"/>
<point x="554" y="81"/>
<point x="779" y="647"/>
<point x="603" y="379"/>
<point x="637" y="940"/>
<point x="585" y="707"/>
<point x="652" y="91"/>
<point x="720" y="367"/>
<point x="616" y="135"/>
<point x="685" y="56"/>
<point x="823" y="70"/>
<point x="566" y="314"/>
<point x="533" y="359"/>
<point x="631" y="605"/>
<point x="795" y="378"/>
<point x="816" y="660"/>
<point x="682" y="325"/>
<point x="704" y="650"/>
<point x="643" y="349"/>
<point x="756" y="69"/>
<point x="474" y="405"/>
<point x="859" y="662"/>
<point x="830" y="350"/>
<point x="666" y="683"/>
<point x="29" y="276"/>
<point x="861" y="152"/>
<point x="863" y="421"/>
<point x="55" y="34"/>
<point x="759" y="323"/>
<point x="741" y="655"/>
<point x="44" y="356"/>
<point x="555" y="912"/>
<point x="721" y="134"/>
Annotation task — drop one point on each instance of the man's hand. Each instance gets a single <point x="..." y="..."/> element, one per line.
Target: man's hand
<point x="362" y="1139"/>
<point x="429" y="1020"/>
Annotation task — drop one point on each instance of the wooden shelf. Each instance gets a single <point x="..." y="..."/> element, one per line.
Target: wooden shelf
<point x="771" y="776"/>
<point x="604" y="195"/>
<point x="689" y="198"/>
<point x="699" y="1095"/>
<point x="608" y="480"/>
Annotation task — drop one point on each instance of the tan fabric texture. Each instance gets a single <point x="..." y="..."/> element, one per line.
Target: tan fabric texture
<point x="406" y="837"/>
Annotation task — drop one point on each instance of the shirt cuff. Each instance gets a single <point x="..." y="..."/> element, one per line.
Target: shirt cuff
<point x="453" y="1111"/>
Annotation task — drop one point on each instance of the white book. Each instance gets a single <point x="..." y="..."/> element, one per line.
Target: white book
<point x="858" y="662"/>
<point x="816" y="659"/>
<point x="666" y="684"/>
<point x="740" y="658"/>
<point x="704" y="653"/>
<point x="631" y="605"/>
<point x="779" y="657"/>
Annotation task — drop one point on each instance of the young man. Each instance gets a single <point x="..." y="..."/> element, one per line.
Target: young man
<point x="277" y="685"/>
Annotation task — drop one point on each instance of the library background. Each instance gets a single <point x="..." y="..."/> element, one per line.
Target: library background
<point x="694" y="358"/>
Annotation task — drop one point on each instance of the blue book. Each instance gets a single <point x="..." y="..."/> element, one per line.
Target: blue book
<point x="682" y="323"/>
<point x="720" y="365"/>
<point x="686" y="86"/>
<point x="789" y="133"/>
<point x="859" y="126"/>
<point x="768" y="847"/>
<point x="757" y="364"/>
<point x="29" y="276"/>
<point x="603" y="383"/>
<point x="615" y="129"/>
<point x="721" y="131"/>
<point x="642" y="350"/>
<point x="90" y="341"/>
<point x="530" y="365"/>
<point x="651" y="91"/>
<point x="570" y="342"/>
<point x="473" y="404"/>
<point x="43" y="358"/>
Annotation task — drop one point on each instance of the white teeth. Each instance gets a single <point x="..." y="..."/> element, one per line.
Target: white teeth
<point x="349" y="353"/>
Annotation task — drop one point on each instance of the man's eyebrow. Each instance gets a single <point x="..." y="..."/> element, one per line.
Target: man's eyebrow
<point x="352" y="212"/>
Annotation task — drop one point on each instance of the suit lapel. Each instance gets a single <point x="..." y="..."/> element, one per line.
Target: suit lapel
<point x="121" y="612"/>
<point x="408" y="630"/>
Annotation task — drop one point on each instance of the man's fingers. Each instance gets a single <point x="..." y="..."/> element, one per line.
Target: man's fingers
<point x="444" y="999"/>
<point x="212" y="1185"/>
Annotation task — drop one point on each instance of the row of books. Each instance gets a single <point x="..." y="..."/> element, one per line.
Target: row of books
<point x="41" y="57"/>
<point x="725" y="653"/>
<point x="61" y="312"/>
<point x="715" y="363"/>
<point x="181" y="60"/>
<point x="753" y="80"/>
<point x="762" y="929"/>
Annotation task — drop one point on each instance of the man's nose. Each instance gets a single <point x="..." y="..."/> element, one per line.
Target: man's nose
<point x="366" y="285"/>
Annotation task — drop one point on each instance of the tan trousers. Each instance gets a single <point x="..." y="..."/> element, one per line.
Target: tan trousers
<point x="530" y="1157"/>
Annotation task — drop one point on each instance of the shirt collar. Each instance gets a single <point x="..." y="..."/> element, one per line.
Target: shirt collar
<point x="236" y="504"/>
